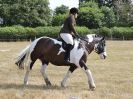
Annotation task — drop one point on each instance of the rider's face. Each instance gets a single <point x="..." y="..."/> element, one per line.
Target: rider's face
<point x="75" y="15"/>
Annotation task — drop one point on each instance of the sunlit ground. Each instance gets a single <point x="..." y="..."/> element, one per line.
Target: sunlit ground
<point x="113" y="76"/>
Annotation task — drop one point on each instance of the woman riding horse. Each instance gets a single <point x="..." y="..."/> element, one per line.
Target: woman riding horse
<point x="68" y="31"/>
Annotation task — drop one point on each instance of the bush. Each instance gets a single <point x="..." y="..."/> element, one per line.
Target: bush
<point x="109" y="16"/>
<point x="47" y="31"/>
<point x="58" y="19"/>
<point x="21" y="32"/>
<point x="122" y="32"/>
<point x="83" y="30"/>
<point x="105" y="32"/>
<point x="8" y="33"/>
<point x="26" y="33"/>
<point x="90" y="17"/>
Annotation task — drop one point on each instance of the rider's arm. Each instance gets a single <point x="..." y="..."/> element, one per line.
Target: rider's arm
<point x="72" y="23"/>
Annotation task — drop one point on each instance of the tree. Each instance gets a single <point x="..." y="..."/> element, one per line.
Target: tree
<point x="61" y="10"/>
<point x="58" y="19"/>
<point x="90" y="15"/>
<point x="123" y="10"/>
<point x="130" y="16"/>
<point x="100" y="2"/>
<point x="109" y="16"/>
<point x="60" y="14"/>
<point x="25" y="12"/>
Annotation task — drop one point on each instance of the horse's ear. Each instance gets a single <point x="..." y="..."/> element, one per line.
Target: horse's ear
<point x="103" y="38"/>
<point x="97" y="39"/>
<point x="97" y="35"/>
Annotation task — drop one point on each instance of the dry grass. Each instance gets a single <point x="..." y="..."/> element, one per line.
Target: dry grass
<point x="113" y="76"/>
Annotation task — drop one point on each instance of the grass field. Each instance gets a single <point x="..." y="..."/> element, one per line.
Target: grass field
<point x="113" y="76"/>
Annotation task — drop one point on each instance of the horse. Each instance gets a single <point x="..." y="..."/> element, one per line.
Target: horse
<point x="50" y="50"/>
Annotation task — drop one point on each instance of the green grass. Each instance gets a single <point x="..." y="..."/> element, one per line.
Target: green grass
<point x="113" y="76"/>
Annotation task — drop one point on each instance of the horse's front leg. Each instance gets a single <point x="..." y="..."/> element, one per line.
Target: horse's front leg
<point x="89" y="75"/>
<point x="68" y="74"/>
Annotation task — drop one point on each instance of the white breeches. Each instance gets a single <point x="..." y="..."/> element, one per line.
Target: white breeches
<point x="67" y="38"/>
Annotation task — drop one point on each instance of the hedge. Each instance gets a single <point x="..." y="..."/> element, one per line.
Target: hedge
<point x="26" y="33"/>
<point x="122" y="32"/>
<point x="125" y="33"/>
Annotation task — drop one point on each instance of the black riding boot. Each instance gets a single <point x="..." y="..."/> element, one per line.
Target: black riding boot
<point x="67" y="54"/>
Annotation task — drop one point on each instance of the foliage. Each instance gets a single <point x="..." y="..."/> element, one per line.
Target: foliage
<point x="124" y="12"/>
<point x="90" y="15"/>
<point x="25" y="12"/>
<point x="58" y="19"/>
<point x="122" y="32"/>
<point x="117" y="32"/>
<point x="109" y="16"/>
<point x="61" y="10"/>
<point x="89" y="4"/>
<point x="47" y="31"/>
<point x="26" y="33"/>
<point x="116" y="12"/>
<point x="59" y="16"/>
<point x="83" y="31"/>
<point x="105" y="32"/>
<point x="100" y="2"/>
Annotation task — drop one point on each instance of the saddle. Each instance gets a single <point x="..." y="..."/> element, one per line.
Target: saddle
<point x="64" y="45"/>
<point x="68" y="49"/>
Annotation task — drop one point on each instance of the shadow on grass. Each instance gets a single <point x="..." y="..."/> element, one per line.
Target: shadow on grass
<point x="34" y="87"/>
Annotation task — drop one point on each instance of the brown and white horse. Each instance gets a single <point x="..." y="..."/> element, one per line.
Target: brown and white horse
<point x="50" y="50"/>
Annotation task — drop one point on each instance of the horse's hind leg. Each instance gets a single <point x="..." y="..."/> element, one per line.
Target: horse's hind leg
<point x="29" y="67"/>
<point x="43" y="72"/>
<point x="69" y="72"/>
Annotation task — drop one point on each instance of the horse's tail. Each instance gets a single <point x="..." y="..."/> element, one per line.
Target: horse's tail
<point x="24" y="54"/>
<point x="22" y="57"/>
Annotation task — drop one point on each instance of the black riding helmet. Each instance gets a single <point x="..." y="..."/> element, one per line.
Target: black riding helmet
<point x="74" y="10"/>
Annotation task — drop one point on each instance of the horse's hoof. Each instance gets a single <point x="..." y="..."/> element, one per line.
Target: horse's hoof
<point x="22" y="68"/>
<point x="49" y="83"/>
<point x="26" y="83"/>
<point x="62" y="85"/>
<point x="16" y="63"/>
<point x="92" y="88"/>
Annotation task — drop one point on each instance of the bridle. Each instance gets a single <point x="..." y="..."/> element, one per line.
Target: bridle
<point x="83" y="39"/>
<point x="96" y="49"/>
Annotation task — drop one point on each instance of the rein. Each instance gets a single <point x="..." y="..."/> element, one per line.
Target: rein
<point x="83" y="39"/>
<point x="87" y="49"/>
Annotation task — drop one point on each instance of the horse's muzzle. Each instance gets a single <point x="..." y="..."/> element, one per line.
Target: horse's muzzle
<point x="103" y="55"/>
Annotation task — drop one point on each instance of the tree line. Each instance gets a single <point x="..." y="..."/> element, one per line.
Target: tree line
<point x="92" y="13"/>
<point x="25" y="12"/>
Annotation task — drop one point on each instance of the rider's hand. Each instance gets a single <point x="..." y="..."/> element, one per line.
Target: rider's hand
<point x="77" y="36"/>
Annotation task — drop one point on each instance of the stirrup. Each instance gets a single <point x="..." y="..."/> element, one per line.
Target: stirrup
<point x="67" y="60"/>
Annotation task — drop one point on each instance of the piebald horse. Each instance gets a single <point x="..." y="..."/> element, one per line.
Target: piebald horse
<point x="50" y="50"/>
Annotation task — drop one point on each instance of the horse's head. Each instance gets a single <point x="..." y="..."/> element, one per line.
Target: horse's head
<point x="99" y="44"/>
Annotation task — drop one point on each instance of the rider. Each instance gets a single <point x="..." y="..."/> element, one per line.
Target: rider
<point x="68" y="31"/>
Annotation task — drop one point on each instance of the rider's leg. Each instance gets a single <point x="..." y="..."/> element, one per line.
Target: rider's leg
<point x="67" y="54"/>
<point x="69" y="41"/>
